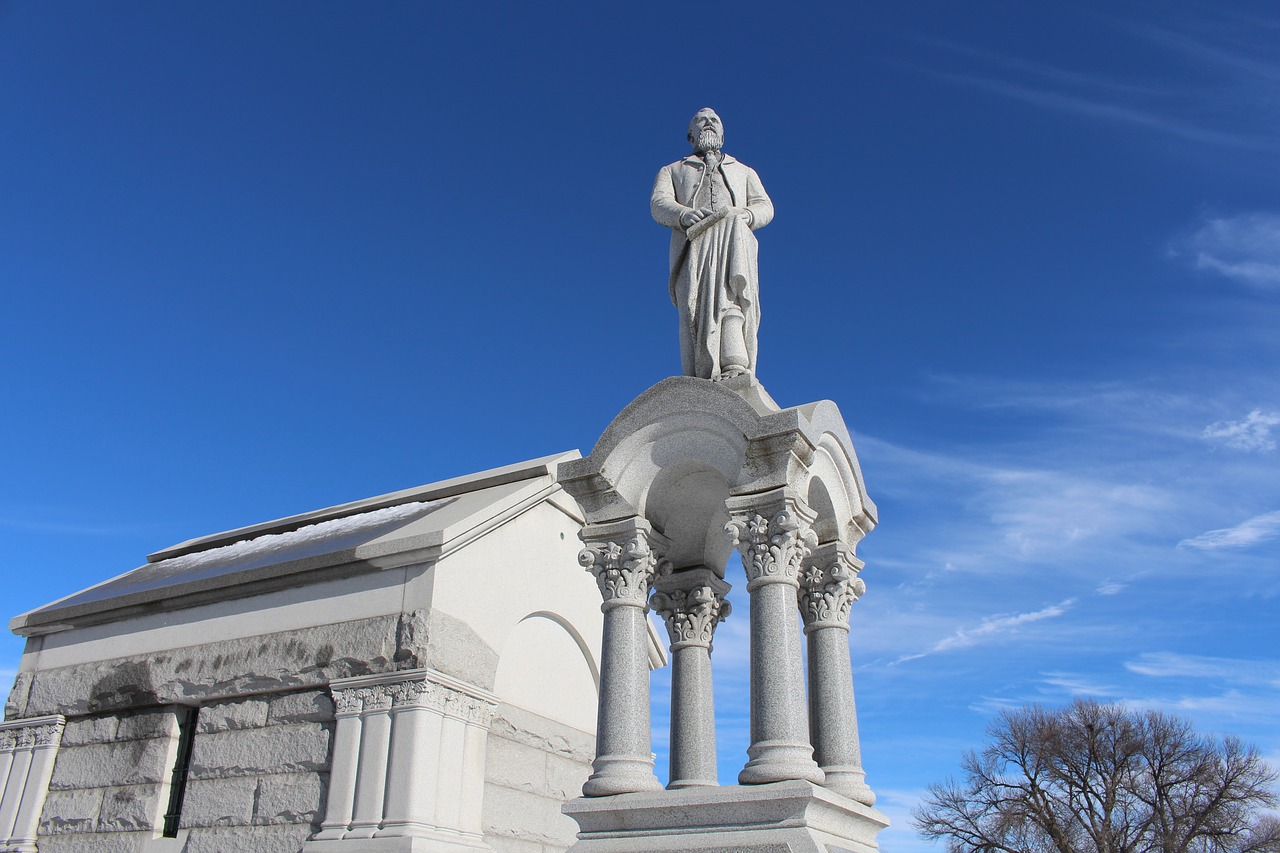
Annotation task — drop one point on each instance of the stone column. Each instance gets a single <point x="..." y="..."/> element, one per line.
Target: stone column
<point x="829" y="585"/>
<point x="691" y="602"/>
<point x="621" y="558"/>
<point x="772" y="531"/>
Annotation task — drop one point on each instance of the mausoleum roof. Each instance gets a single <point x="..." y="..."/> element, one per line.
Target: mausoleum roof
<point x="397" y="529"/>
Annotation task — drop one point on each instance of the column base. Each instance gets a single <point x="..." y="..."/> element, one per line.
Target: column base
<point x="692" y="783"/>
<point x="437" y="842"/>
<point x="772" y="761"/>
<point x="851" y="781"/>
<point x="796" y="816"/>
<point x="621" y="776"/>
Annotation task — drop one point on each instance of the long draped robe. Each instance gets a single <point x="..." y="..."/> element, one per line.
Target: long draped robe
<point x="718" y="268"/>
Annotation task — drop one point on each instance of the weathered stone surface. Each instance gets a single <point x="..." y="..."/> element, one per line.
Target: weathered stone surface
<point x="130" y="807"/>
<point x="564" y="777"/>
<point x="105" y="842"/>
<point x="456" y="649"/>
<point x="148" y="724"/>
<point x="507" y="844"/>
<point x="309" y="657"/>
<point x="526" y="768"/>
<point x="289" y="798"/>
<point x="308" y="706"/>
<point x="134" y="762"/>
<point x="526" y="817"/>
<point x="515" y="765"/>
<point x="248" y="713"/>
<point x="16" y="703"/>
<point x="83" y="730"/>
<point x="259" y="839"/>
<point x="530" y="729"/>
<point x="291" y="748"/>
<point x="219" y="802"/>
<point x="70" y="811"/>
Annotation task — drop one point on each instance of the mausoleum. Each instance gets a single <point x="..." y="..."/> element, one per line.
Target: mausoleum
<point x="408" y="672"/>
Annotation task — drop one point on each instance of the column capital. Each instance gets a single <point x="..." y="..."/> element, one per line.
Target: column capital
<point x="691" y="602"/>
<point x="829" y="584"/>
<point x="623" y="556"/>
<point x="31" y="732"/>
<point x="774" y="535"/>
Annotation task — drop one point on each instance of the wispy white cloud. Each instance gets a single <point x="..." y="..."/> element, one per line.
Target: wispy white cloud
<point x="1235" y="670"/>
<point x="990" y="627"/>
<point x="1110" y="587"/>
<point x="1075" y="684"/>
<point x="1234" y="58"/>
<point x="1050" y="509"/>
<point x="1258" y="529"/>
<point x="1244" y="248"/>
<point x="1229" y="705"/>
<point x="1109" y="110"/>
<point x="1253" y="432"/>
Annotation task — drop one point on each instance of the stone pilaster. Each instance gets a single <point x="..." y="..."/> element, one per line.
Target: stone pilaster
<point x="27" y="751"/>
<point x="829" y="584"/>
<point x="772" y="531"/>
<point x="409" y="761"/>
<point x="621" y="557"/>
<point x="348" y="705"/>
<point x="691" y="602"/>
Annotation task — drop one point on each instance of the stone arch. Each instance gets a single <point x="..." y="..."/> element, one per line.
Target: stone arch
<point x="544" y="648"/>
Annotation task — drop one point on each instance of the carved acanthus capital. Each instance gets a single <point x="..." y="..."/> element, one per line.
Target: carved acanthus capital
<point x="829" y="585"/>
<point x="347" y="703"/>
<point x="691" y="614"/>
<point x="39" y="732"/>
<point x="774" y="543"/>
<point x="623" y="563"/>
<point x="377" y="697"/>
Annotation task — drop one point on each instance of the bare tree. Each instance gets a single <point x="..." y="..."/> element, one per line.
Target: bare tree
<point x="1094" y="778"/>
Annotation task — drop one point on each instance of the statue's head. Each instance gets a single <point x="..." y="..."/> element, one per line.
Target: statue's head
<point x="706" y="131"/>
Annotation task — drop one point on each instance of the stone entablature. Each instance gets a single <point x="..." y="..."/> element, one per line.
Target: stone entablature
<point x="408" y="762"/>
<point x="27" y="752"/>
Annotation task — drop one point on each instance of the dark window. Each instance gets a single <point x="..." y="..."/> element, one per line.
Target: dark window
<point x="181" y="766"/>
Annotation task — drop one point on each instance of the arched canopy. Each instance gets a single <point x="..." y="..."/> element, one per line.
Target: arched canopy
<point x="686" y="445"/>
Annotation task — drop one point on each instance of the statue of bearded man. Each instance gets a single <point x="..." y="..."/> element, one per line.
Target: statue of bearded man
<point x="712" y="204"/>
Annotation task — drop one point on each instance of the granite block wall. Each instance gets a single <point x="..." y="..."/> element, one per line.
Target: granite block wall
<point x="257" y="778"/>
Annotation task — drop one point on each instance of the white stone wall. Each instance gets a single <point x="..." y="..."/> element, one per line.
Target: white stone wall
<point x="534" y="766"/>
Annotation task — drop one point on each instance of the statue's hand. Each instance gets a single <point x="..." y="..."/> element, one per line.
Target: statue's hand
<point x="691" y="217"/>
<point x="746" y="216"/>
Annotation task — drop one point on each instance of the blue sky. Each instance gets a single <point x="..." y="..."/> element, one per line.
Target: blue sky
<point x="262" y="258"/>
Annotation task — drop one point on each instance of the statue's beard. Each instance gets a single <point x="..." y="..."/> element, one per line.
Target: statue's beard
<point x="708" y="140"/>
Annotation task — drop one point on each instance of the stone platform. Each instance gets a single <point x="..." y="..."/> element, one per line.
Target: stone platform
<point x="781" y="817"/>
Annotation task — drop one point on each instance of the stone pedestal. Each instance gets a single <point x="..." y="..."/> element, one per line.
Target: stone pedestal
<point x="782" y="817"/>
